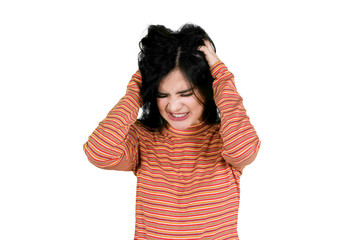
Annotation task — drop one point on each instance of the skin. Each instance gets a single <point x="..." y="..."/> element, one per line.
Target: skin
<point x="177" y="101"/>
<point x="209" y="52"/>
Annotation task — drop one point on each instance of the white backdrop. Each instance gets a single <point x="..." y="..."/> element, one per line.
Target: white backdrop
<point x="65" y="64"/>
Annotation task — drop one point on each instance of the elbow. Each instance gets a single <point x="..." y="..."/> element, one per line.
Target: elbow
<point x="252" y="153"/>
<point x="245" y="156"/>
<point x="97" y="158"/>
<point x="106" y="161"/>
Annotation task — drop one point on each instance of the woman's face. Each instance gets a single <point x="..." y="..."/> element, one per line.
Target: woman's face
<point x="177" y="101"/>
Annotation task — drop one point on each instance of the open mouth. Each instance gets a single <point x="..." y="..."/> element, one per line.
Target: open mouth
<point x="178" y="116"/>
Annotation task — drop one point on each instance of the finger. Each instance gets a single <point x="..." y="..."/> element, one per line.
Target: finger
<point x="204" y="49"/>
<point x="208" y="44"/>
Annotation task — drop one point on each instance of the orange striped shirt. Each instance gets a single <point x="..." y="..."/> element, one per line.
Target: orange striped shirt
<point x="187" y="180"/>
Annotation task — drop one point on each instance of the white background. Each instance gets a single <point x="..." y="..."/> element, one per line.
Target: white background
<point x="65" y="64"/>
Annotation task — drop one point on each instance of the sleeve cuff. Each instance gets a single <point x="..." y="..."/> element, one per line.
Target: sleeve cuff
<point x="217" y="69"/>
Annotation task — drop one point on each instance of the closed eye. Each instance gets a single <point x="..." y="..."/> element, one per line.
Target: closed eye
<point x="187" y="95"/>
<point x="162" y="95"/>
<point x="184" y="93"/>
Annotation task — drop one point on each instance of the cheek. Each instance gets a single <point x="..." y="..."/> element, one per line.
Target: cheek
<point x="161" y="103"/>
<point x="196" y="106"/>
<point x="200" y="109"/>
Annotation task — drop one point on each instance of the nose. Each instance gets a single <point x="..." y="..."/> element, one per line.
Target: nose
<point x="174" y="104"/>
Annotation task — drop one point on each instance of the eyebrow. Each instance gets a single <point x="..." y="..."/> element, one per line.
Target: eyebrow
<point x="180" y="92"/>
<point x="185" y="91"/>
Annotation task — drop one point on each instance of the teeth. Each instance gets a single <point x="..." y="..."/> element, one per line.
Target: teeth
<point x="179" y="115"/>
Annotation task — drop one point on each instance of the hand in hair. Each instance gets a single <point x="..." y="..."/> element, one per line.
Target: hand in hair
<point x="209" y="52"/>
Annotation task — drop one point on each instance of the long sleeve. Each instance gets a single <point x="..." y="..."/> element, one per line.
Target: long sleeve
<point x="240" y="140"/>
<point x="114" y="143"/>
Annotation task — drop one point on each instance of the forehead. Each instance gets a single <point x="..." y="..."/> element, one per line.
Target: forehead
<point x="174" y="81"/>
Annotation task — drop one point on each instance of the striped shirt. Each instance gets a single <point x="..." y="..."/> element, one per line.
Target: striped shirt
<point x="187" y="180"/>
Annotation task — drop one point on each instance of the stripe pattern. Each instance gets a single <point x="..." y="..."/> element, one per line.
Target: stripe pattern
<point x="188" y="180"/>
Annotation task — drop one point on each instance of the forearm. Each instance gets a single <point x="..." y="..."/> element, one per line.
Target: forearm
<point x="113" y="143"/>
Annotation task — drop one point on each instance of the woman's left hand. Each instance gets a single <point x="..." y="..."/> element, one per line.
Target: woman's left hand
<point x="209" y="52"/>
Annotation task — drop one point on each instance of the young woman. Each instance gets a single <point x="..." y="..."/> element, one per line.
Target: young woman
<point x="191" y="143"/>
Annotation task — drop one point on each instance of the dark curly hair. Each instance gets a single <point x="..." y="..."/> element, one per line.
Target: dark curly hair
<point x="163" y="50"/>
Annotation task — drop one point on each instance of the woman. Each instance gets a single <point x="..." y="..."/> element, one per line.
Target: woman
<point x="191" y="143"/>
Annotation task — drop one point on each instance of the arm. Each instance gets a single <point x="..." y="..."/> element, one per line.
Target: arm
<point x="114" y="143"/>
<point x="240" y="141"/>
